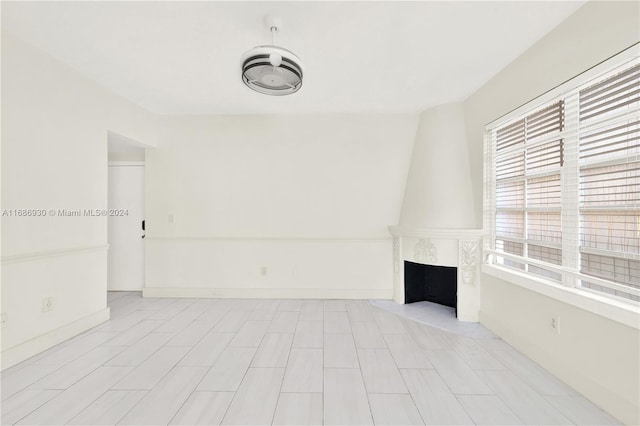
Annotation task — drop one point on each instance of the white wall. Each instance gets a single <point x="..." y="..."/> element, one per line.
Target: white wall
<point x="54" y="156"/>
<point x="309" y="197"/>
<point x="597" y="31"/>
<point x="127" y="156"/>
<point x="438" y="193"/>
<point x="597" y="356"/>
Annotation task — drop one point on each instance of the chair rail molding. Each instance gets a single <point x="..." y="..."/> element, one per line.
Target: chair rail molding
<point x="25" y="257"/>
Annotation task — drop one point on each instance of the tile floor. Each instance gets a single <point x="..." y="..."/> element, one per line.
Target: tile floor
<point x="335" y="362"/>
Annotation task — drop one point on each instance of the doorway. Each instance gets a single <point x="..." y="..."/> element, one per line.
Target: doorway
<point x="125" y="270"/>
<point x="125" y="221"/>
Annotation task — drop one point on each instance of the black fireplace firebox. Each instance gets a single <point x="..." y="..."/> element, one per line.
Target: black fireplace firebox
<point x="438" y="284"/>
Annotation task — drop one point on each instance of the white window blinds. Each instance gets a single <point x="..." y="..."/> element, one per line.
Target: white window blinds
<point x="529" y="155"/>
<point x="564" y="186"/>
<point x="610" y="181"/>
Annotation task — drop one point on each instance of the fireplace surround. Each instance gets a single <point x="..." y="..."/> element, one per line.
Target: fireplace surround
<point x="454" y="248"/>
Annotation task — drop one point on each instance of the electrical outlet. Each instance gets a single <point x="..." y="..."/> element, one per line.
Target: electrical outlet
<point x="555" y="324"/>
<point x="47" y="304"/>
<point x="263" y="271"/>
<point x="171" y="218"/>
<point x="4" y="319"/>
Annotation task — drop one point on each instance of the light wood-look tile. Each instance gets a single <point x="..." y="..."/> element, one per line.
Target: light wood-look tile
<point x="165" y="399"/>
<point x="525" y="402"/>
<point x="311" y="310"/>
<point x="273" y="351"/>
<point x="207" y="361"/>
<point x="270" y="305"/>
<point x="228" y="370"/>
<point x="476" y="357"/>
<point x="231" y="322"/>
<point x="367" y="335"/>
<point x="290" y="305"/>
<point x="203" y="408"/>
<point x="15" y="381"/>
<point x="202" y="305"/>
<point x="23" y="403"/>
<point x="191" y="335"/>
<point x="389" y="323"/>
<point x="580" y="410"/>
<point x="261" y="315"/>
<point x="340" y="351"/>
<point x="309" y="334"/>
<point x="488" y="410"/>
<point x="284" y="322"/>
<point x="494" y="345"/>
<point x="394" y="409"/>
<point x="172" y="310"/>
<point x="179" y="322"/>
<point x="532" y="374"/>
<point x="135" y="333"/>
<point x="70" y="373"/>
<point x="417" y="334"/>
<point x="360" y="311"/>
<point x="345" y="398"/>
<point x="153" y="369"/>
<point x="335" y="305"/>
<point x="34" y="359"/>
<point x="439" y="339"/>
<point x="435" y="402"/>
<point x="428" y="337"/>
<point x="336" y="322"/>
<point x="304" y="371"/>
<point x="460" y="378"/>
<point x="123" y="306"/>
<point x="246" y="305"/>
<point x="207" y="350"/>
<point x="295" y="409"/>
<point x="137" y="353"/>
<point x="156" y="304"/>
<point x="256" y="399"/>
<point x="72" y="401"/>
<point x="406" y="352"/>
<point x="250" y="334"/>
<point x="109" y="408"/>
<point x="124" y="322"/>
<point x="214" y="315"/>
<point x="379" y="371"/>
<point x="78" y="347"/>
<point x="112" y="296"/>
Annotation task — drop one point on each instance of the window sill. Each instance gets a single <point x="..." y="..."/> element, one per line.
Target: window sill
<point x="624" y="313"/>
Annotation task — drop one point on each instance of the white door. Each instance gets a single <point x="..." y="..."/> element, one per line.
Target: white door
<point x="125" y="270"/>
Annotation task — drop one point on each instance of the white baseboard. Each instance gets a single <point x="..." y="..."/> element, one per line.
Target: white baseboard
<point x="268" y="293"/>
<point x="26" y="350"/>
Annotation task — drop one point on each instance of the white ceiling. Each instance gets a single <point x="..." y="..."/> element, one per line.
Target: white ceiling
<point x="183" y="57"/>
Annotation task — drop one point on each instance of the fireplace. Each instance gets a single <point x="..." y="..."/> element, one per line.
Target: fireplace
<point x="452" y="255"/>
<point x="431" y="283"/>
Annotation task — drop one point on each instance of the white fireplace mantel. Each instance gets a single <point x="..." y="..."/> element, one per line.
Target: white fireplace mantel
<point x="460" y="248"/>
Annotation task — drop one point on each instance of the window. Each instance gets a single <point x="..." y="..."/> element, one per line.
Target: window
<point x="562" y="195"/>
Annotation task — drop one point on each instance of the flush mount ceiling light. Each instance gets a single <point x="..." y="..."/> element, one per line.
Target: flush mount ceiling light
<point x="271" y="69"/>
